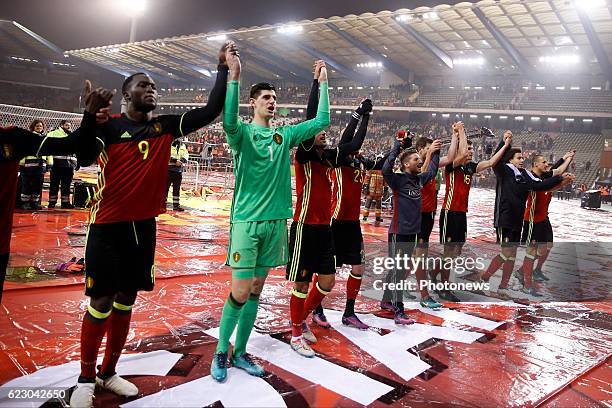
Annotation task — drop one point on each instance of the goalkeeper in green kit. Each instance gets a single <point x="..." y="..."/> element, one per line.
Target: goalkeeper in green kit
<point x="260" y="207"/>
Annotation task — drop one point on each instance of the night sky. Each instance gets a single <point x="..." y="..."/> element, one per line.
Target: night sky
<point x="72" y="24"/>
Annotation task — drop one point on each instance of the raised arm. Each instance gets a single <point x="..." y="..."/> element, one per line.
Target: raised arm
<point x="387" y="169"/>
<point x="231" y="123"/>
<point x="459" y="128"/>
<point x="348" y="146"/>
<point x="452" y="151"/>
<point x="499" y="153"/>
<point x="313" y="97"/>
<point x="308" y="129"/>
<point x="200" y="117"/>
<point x="434" y="162"/>
<point x="561" y="166"/>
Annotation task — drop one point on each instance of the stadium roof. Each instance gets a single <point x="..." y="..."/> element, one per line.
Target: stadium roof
<point x="490" y="37"/>
<point x="19" y="43"/>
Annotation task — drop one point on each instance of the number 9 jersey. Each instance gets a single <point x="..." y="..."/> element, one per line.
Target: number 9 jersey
<point x="133" y="159"/>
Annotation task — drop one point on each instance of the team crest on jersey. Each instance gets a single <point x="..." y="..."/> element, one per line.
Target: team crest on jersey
<point x="278" y="138"/>
<point x="90" y="282"/>
<point x="157" y="127"/>
<point x="236" y="256"/>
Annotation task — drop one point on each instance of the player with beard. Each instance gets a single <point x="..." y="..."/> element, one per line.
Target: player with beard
<point x="512" y="187"/>
<point x="453" y="217"/>
<point x="406" y="222"/>
<point x="133" y="151"/>
<point x="537" y="230"/>
<point x="428" y="213"/>
<point x="311" y="247"/>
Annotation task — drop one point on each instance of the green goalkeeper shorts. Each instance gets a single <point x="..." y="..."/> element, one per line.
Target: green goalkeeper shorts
<point x="257" y="244"/>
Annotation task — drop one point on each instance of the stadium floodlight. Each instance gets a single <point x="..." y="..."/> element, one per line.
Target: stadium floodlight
<point x="431" y="15"/>
<point x="469" y="61"/>
<point x="131" y="8"/>
<point x="503" y="117"/>
<point x="290" y="29"/>
<point x="560" y="88"/>
<point x="300" y="110"/>
<point x="404" y="18"/>
<point x="433" y="115"/>
<point x="560" y="59"/>
<point x="587" y="5"/>
<point x="519" y="118"/>
<point x="338" y="111"/>
<point x="478" y="87"/>
<point x="370" y="64"/>
<point x="596" y="88"/>
<point x="574" y="88"/>
<point x="552" y="119"/>
<point x="535" y="118"/>
<point x="219" y="37"/>
<point x="587" y="120"/>
<point x="540" y="88"/>
<point x="446" y="115"/>
<point x="487" y="116"/>
<point x="473" y="116"/>
<point x="569" y="119"/>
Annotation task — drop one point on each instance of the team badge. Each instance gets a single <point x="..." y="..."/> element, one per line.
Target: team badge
<point x="157" y="127"/>
<point x="236" y="256"/>
<point x="90" y="282"/>
<point x="278" y="138"/>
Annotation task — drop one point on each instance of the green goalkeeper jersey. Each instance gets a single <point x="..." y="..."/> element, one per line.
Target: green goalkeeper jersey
<point x="262" y="171"/>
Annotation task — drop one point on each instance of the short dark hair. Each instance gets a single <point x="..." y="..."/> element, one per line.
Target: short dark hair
<point x="406" y="154"/>
<point x="535" y="158"/>
<point x="261" y="86"/>
<point x="422" y="142"/>
<point x="510" y="154"/>
<point x="63" y="122"/>
<point x="36" y="122"/>
<point x="128" y="80"/>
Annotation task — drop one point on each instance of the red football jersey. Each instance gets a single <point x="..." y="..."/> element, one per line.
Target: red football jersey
<point x="314" y="193"/>
<point x="458" y="184"/>
<point x="8" y="192"/>
<point x="346" y="193"/>
<point x="134" y="169"/>
<point x="537" y="206"/>
<point x="428" y="197"/>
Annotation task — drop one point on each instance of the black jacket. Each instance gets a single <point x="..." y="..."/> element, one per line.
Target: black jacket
<point x="511" y="194"/>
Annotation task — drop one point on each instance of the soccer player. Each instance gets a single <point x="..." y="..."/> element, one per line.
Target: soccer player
<point x="537" y="231"/>
<point x="133" y="151"/>
<point x="406" y="222"/>
<point x="311" y="243"/>
<point x="16" y="143"/>
<point x="453" y="217"/>
<point x="347" y="182"/>
<point x="260" y="207"/>
<point x="513" y="185"/>
<point x="428" y="213"/>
